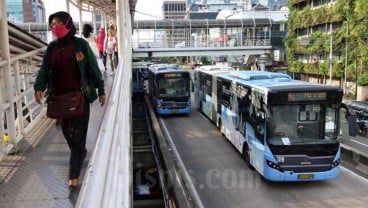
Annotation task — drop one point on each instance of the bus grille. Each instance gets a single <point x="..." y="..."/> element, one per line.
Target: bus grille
<point x="174" y="105"/>
<point x="305" y="164"/>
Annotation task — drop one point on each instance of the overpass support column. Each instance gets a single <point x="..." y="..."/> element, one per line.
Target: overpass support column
<point x="262" y="60"/>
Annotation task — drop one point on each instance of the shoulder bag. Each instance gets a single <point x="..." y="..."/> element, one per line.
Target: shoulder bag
<point x="65" y="106"/>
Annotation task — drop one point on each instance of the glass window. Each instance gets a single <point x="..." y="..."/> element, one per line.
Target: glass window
<point x="297" y="124"/>
<point x="173" y="87"/>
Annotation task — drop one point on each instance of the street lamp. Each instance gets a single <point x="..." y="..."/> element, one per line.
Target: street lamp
<point x="346" y="45"/>
<point x="330" y="53"/>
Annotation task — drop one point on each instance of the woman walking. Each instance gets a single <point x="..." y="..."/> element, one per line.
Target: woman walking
<point x="90" y="37"/>
<point x="110" y="46"/>
<point x="100" y="44"/>
<point x="64" y="70"/>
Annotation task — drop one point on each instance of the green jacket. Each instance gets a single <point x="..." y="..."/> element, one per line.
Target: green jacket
<point x="91" y="77"/>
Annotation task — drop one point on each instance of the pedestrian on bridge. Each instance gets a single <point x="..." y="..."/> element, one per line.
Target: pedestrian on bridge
<point x="100" y="44"/>
<point x="111" y="46"/>
<point x="64" y="70"/>
<point x="90" y="37"/>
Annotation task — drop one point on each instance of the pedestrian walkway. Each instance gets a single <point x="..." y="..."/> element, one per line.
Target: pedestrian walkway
<point x="37" y="176"/>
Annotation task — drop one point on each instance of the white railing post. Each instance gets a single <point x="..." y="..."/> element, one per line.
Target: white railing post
<point x="6" y="76"/>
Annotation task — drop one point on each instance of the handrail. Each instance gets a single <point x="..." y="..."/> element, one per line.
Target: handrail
<point x="26" y="52"/>
<point x="112" y="148"/>
<point x="108" y="178"/>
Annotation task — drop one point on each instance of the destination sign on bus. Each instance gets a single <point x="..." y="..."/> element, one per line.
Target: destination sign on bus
<point x="307" y="96"/>
<point x="173" y="75"/>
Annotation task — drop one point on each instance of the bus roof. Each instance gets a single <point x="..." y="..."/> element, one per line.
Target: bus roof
<point x="139" y="64"/>
<point x="165" y="68"/>
<point x="214" y="69"/>
<point x="273" y="81"/>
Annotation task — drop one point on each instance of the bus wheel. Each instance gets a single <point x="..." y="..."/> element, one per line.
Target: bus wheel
<point x="246" y="155"/>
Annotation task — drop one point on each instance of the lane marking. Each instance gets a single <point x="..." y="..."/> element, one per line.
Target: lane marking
<point x="359" y="142"/>
<point x="353" y="173"/>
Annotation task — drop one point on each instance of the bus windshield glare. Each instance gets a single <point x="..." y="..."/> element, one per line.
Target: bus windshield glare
<point x="303" y="124"/>
<point x="173" y="87"/>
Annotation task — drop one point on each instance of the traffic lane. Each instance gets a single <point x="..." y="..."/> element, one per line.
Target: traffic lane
<point x="222" y="178"/>
<point x="361" y="142"/>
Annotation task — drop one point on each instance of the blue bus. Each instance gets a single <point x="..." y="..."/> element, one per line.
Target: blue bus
<point x="288" y="130"/>
<point x="204" y="82"/>
<point x="139" y="74"/>
<point x="169" y="89"/>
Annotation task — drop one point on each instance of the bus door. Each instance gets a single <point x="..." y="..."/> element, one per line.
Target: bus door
<point x="258" y="123"/>
<point x="225" y="95"/>
<point x="197" y="89"/>
<point x="243" y="97"/>
<point x="207" y="104"/>
<point x="218" y="100"/>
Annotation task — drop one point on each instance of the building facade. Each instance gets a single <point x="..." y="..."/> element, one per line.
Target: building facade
<point x="25" y="11"/>
<point x="172" y="10"/>
<point x="308" y="33"/>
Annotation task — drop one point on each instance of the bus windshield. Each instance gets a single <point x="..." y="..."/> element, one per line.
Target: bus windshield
<point x="303" y="124"/>
<point x="173" y="87"/>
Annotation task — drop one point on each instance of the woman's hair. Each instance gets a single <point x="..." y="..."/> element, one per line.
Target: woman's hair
<point x="64" y="17"/>
<point x="87" y="30"/>
<point x="112" y="30"/>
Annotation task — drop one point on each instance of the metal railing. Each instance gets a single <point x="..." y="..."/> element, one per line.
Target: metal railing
<point x="202" y="37"/>
<point x="202" y="33"/>
<point x="19" y="111"/>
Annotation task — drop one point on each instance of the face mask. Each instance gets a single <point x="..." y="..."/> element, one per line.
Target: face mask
<point x="60" y="31"/>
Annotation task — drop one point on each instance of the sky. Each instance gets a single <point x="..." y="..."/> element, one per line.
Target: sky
<point x="146" y="9"/>
<point x="149" y="8"/>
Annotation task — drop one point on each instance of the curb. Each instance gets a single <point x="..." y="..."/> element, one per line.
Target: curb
<point x="354" y="155"/>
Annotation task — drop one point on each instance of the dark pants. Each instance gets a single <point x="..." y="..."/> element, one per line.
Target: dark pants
<point x="104" y="58"/>
<point x="116" y="59"/>
<point x="75" y="133"/>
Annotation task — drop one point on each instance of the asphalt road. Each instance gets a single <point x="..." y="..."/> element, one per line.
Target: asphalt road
<point x="222" y="178"/>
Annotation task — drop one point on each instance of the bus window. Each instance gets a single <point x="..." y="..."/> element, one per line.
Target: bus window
<point x="308" y="124"/>
<point x="284" y="121"/>
<point x="225" y="94"/>
<point x="331" y="128"/>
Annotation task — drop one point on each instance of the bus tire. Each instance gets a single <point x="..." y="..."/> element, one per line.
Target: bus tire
<point x="246" y="155"/>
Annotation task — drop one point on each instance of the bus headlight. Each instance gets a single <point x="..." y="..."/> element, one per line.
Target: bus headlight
<point x="274" y="165"/>
<point x="335" y="163"/>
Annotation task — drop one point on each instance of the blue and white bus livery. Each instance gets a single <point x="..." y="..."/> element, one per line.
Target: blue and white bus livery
<point x="169" y="89"/>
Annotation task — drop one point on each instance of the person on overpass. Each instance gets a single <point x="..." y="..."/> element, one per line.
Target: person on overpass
<point x="64" y="70"/>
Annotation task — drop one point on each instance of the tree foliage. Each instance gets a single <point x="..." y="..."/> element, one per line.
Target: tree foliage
<point x="351" y="19"/>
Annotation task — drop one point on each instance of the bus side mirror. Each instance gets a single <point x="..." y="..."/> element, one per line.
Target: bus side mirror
<point x="352" y="119"/>
<point x="352" y="124"/>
